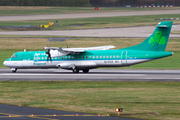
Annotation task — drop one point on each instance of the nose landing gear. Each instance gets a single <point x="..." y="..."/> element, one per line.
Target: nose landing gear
<point x="13" y="70"/>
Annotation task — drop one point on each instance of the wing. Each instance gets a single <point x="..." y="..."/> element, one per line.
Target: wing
<point x="79" y="50"/>
<point x="89" y="48"/>
<point x="56" y="52"/>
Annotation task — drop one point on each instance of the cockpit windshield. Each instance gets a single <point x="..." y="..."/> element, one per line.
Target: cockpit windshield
<point x="14" y="56"/>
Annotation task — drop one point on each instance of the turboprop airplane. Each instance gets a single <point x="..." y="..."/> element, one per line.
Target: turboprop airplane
<point x="77" y="59"/>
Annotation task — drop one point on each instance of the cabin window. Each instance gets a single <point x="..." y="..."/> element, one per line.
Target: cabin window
<point x="100" y="56"/>
<point x="58" y="57"/>
<point x="14" y="56"/>
<point x="96" y="56"/>
<point x="107" y="57"/>
<point x="72" y="57"/>
<point x="79" y="57"/>
<point x="117" y="56"/>
<point x="82" y="56"/>
<point x="86" y="57"/>
<point x="45" y="57"/>
<point x="39" y="58"/>
<point x="65" y="57"/>
<point x="89" y="56"/>
<point x="62" y="57"/>
<point x="93" y="57"/>
<point x="42" y="58"/>
<point x="110" y="56"/>
<point x="76" y="57"/>
<point x="114" y="56"/>
<point x="103" y="56"/>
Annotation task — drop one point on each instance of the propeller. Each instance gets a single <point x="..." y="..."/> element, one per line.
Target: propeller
<point x="49" y="55"/>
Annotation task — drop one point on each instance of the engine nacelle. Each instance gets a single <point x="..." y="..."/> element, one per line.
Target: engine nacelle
<point x="80" y="65"/>
<point x="56" y="53"/>
<point x="66" y="66"/>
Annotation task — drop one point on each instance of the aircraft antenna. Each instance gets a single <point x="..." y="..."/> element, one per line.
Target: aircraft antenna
<point x="67" y="45"/>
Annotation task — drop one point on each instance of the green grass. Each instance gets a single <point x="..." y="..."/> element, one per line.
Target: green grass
<point x="20" y="10"/>
<point x="88" y="23"/>
<point x="138" y="99"/>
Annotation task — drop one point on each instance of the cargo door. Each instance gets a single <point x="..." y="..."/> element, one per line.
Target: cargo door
<point x="124" y="57"/>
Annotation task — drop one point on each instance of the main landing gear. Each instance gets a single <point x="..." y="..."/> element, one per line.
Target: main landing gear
<point x="86" y="71"/>
<point x="76" y="70"/>
<point x="13" y="70"/>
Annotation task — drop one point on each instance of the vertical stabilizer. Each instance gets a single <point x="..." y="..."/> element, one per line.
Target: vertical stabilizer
<point x="157" y="41"/>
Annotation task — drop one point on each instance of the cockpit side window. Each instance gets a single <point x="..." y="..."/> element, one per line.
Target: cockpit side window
<point x="14" y="56"/>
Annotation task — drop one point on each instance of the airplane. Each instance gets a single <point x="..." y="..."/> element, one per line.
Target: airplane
<point x="77" y="59"/>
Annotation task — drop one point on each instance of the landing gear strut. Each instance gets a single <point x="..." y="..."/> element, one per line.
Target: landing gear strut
<point x="75" y="70"/>
<point x="13" y="70"/>
<point x="86" y="71"/>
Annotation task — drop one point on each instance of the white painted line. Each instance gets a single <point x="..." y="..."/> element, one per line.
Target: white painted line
<point x="115" y="75"/>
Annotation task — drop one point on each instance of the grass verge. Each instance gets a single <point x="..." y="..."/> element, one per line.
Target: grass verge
<point x="145" y="100"/>
<point x="90" y="23"/>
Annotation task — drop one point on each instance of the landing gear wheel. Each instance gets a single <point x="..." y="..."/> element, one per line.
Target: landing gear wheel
<point x="13" y="70"/>
<point x="76" y="70"/>
<point x="86" y="71"/>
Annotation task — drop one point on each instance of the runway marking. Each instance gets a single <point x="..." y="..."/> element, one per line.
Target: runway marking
<point x="43" y="116"/>
<point x="34" y="116"/>
<point x="7" y="74"/>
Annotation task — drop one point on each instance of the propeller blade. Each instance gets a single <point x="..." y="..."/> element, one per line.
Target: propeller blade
<point x="49" y="55"/>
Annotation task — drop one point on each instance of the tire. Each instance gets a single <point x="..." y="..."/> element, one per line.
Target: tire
<point x="14" y="70"/>
<point x="76" y="70"/>
<point x="86" y="71"/>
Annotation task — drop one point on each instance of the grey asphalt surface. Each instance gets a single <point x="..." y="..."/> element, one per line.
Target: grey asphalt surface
<point x="87" y="15"/>
<point x="142" y="31"/>
<point x="25" y="113"/>
<point x="93" y="75"/>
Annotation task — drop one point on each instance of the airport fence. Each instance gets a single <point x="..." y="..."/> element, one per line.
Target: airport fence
<point x="89" y="3"/>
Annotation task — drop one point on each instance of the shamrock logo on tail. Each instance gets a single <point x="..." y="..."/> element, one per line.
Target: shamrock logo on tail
<point x="157" y="38"/>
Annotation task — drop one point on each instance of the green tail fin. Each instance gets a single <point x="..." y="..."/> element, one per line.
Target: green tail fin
<point x="157" y="41"/>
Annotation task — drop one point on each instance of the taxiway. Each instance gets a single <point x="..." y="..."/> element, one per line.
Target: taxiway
<point x="11" y="112"/>
<point x="87" y="15"/>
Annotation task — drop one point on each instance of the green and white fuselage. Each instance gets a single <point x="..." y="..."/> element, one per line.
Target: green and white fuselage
<point x="152" y="48"/>
<point x="89" y="59"/>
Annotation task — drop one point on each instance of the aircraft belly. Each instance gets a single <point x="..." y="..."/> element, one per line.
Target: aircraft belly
<point x="136" y="61"/>
<point x="80" y="64"/>
<point x="119" y="63"/>
<point x="31" y="64"/>
<point x="18" y="64"/>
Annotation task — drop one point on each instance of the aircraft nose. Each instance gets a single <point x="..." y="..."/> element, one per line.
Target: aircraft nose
<point x="5" y="63"/>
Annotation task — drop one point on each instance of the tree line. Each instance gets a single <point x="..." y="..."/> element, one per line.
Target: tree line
<point x="88" y="3"/>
